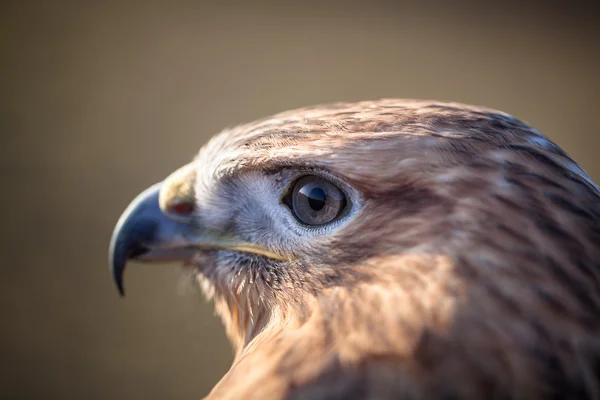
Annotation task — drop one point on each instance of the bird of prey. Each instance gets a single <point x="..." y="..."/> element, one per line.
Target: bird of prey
<point x="391" y="249"/>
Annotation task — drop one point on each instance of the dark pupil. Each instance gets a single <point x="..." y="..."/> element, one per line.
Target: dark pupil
<point x="316" y="198"/>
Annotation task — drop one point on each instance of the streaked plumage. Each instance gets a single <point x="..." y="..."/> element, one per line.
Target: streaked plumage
<point x="468" y="264"/>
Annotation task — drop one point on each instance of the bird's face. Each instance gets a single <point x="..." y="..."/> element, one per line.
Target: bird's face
<point x="272" y="211"/>
<point x="257" y="218"/>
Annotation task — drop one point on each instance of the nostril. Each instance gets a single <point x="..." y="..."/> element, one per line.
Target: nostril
<point x="180" y="206"/>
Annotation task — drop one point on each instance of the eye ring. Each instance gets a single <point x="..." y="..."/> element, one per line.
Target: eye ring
<point x="315" y="201"/>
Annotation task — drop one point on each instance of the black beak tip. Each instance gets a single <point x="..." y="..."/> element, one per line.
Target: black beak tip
<point x="117" y="260"/>
<point x="118" y="279"/>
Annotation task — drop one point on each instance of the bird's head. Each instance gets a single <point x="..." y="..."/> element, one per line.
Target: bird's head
<point x="391" y="204"/>
<point x="279" y="209"/>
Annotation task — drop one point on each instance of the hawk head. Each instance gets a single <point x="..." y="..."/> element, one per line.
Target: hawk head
<point x="386" y="249"/>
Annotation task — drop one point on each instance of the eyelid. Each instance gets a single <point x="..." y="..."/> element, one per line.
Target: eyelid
<point x="298" y="173"/>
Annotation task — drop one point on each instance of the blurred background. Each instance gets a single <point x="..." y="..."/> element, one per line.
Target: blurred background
<point x="100" y="100"/>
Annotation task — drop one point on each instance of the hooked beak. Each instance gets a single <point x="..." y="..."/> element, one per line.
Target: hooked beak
<point x="158" y="226"/>
<point x="145" y="233"/>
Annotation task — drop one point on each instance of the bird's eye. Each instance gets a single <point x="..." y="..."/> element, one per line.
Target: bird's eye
<point x="316" y="201"/>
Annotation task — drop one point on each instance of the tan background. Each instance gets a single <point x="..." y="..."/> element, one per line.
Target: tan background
<point x="99" y="101"/>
